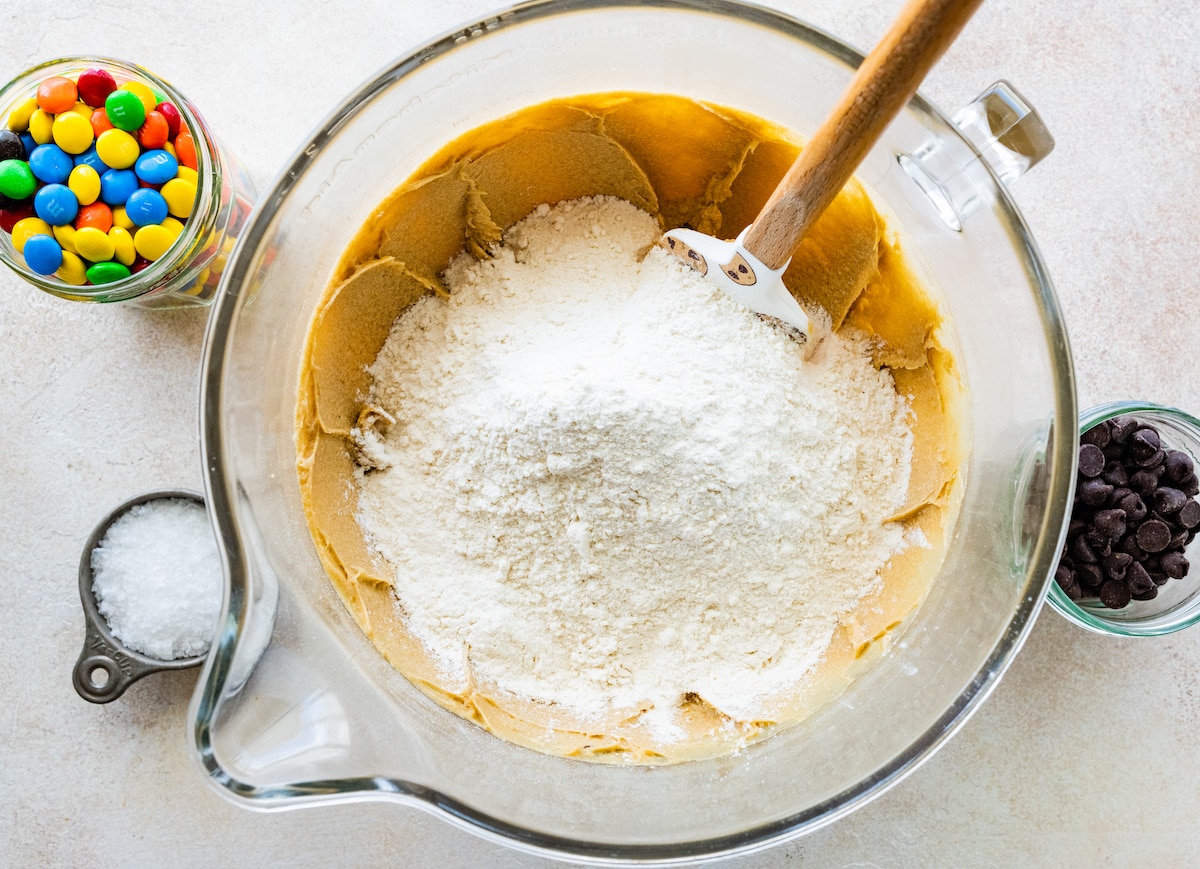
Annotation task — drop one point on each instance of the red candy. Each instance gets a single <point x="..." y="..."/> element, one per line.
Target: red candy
<point x="100" y="122"/>
<point x="57" y="94"/>
<point x="154" y="132"/>
<point x="8" y="219"/>
<point x="185" y="150"/>
<point x="94" y="86"/>
<point x="172" y="116"/>
<point x="139" y="264"/>
<point x="96" y="215"/>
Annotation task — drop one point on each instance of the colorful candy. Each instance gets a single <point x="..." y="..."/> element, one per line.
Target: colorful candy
<point x="97" y="177"/>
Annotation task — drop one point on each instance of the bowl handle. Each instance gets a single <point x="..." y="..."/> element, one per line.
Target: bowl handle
<point x="1009" y="137"/>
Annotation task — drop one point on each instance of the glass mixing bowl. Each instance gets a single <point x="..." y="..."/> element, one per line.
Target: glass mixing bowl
<point x="296" y="707"/>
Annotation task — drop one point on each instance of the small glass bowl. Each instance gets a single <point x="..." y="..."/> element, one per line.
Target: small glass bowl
<point x="1177" y="605"/>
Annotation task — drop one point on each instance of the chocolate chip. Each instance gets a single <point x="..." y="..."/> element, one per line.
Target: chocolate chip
<point x="1158" y="577"/>
<point x="1110" y="523"/>
<point x="1134" y="507"/>
<point x="1153" y="535"/>
<point x="1167" y="500"/>
<point x="1144" y="444"/>
<point x="1178" y="541"/>
<point x="1089" y="575"/>
<point x="1174" y="565"/>
<point x="1116" y="564"/>
<point x="1115" y="474"/>
<point x="1121" y="428"/>
<point x="1100" y="543"/>
<point x="1095" y="492"/>
<point x="1178" y="465"/>
<point x="1143" y="482"/>
<point x="1129" y="545"/>
<point x="1077" y="526"/>
<point x="1137" y="578"/>
<point x="1118" y="493"/>
<point x="1098" y="435"/>
<point x="1154" y="460"/>
<point x="1189" y="485"/>
<point x="1091" y="460"/>
<point x="1082" y="551"/>
<point x="1189" y="515"/>
<point x="1149" y="594"/>
<point x="1114" y="595"/>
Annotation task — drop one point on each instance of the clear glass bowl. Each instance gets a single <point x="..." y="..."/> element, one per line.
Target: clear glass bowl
<point x="1177" y="605"/>
<point x="296" y="707"/>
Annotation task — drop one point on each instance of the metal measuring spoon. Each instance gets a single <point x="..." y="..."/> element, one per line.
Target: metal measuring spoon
<point x="106" y="667"/>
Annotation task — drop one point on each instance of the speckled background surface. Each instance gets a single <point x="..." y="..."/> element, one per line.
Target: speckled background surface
<point x="1085" y="755"/>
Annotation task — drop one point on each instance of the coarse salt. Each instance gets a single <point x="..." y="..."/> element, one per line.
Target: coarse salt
<point x="157" y="579"/>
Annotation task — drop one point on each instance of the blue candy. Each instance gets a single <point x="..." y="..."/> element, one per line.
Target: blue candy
<point x="43" y="254"/>
<point x="56" y="204"/>
<point x="91" y="158"/>
<point x="145" y="207"/>
<point x="116" y="186"/>
<point x="156" y="167"/>
<point x="51" y="164"/>
<point x="29" y="142"/>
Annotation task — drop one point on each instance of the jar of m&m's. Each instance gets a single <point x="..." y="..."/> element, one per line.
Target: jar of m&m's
<point x="113" y="188"/>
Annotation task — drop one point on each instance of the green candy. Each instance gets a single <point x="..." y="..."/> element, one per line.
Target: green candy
<point x="16" y="179"/>
<point x="125" y="111"/>
<point x="106" y="273"/>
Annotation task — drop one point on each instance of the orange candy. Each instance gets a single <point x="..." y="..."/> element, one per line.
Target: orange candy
<point x="100" y="122"/>
<point x="97" y="215"/>
<point x="185" y="150"/>
<point x="154" y="132"/>
<point x="57" y="94"/>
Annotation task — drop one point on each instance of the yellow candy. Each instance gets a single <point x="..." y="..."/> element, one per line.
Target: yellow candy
<point x="26" y="228"/>
<point x="121" y="219"/>
<point x="72" y="132"/>
<point x="123" y="249"/>
<point x="143" y="93"/>
<point x="153" y="241"/>
<point x="94" y="245"/>
<point x="41" y="126"/>
<point x="173" y="226"/>
<point x="180" y="196"/>
<point x="65" y="235"/>
<point x="18" y="118"/>
<point x="170" y="149"/>
<point x="82" y="108"/>
<point x="117" y="149"/>
<point x="84" y="182"/>
<point x="72" y="270"/>
<point x="187" y="173"/>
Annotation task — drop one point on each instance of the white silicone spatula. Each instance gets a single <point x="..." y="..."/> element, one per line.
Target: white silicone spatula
<point x="750" y="269"/>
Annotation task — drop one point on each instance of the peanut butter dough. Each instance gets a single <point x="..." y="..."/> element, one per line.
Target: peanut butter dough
<point x="690" y="164"/>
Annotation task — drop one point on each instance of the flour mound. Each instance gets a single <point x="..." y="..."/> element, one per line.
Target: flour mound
<point x="609" y="486"/>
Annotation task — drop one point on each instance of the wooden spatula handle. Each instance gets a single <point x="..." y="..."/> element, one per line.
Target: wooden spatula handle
<point x="883" y="84"/>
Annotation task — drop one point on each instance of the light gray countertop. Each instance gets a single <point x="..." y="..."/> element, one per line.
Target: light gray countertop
<point x="1086" y="754"/>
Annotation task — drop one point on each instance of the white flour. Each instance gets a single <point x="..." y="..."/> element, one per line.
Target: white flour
<point x="609" y="485"/>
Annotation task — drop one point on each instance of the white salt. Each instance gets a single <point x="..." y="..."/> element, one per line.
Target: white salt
<point x="157" y="579"/>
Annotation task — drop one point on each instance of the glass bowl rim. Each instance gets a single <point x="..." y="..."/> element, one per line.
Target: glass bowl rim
<point x="223" y="498"/>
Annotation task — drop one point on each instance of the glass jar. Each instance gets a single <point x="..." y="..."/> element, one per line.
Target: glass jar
<point x="1177" y="605"/>
<point x="188" y="274"/>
